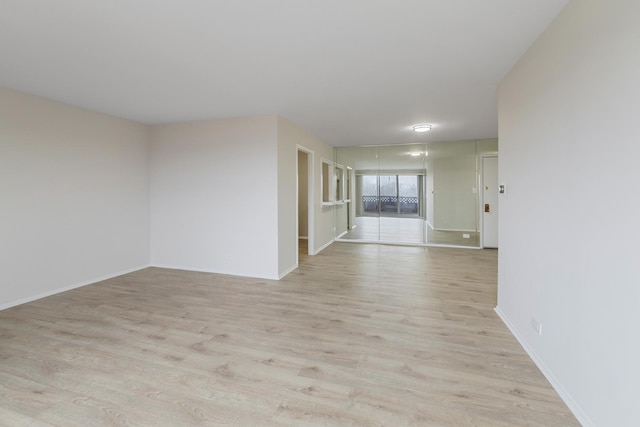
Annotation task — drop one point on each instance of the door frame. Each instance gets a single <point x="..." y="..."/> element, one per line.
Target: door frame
<point x="310" y="204"/>
<point x="481" y="195"/>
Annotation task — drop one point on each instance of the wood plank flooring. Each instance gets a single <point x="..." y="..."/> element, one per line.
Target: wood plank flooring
<point x="387" y="229"/>
<point x="407" y="230"/>
<point x="358" y="335"/>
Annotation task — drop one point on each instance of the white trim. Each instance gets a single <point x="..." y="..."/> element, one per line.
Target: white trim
<point x="342" y="234"/>
<point x="470" y="230"/>
<point x="221" y="272"/>
<point x="385" y="172"/>
<point x="398" y="243"/>
<point x="310" y="200"/>
<point x="71" y="287"/>
<point x="292" y="268"/>
<point x="297" y="206"/>
<point x="577" y="411"/>
<point x="323" y="247"/>
<point x="442" y="245"/>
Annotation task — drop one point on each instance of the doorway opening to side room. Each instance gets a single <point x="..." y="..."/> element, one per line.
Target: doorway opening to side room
<point x="305" y="221"/>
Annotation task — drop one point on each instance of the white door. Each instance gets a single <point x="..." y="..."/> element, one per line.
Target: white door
<point x="490" y="202"/>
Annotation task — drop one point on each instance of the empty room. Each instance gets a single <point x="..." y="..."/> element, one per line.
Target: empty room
<point x="271" y="213"/>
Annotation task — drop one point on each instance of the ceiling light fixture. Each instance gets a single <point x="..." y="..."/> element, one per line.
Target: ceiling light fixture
<point x="422" y="128"/>
<point x="415" y="154"/>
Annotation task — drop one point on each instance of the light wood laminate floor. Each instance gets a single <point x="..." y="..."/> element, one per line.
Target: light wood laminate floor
<point x="407" y="230"/>
<point x="358" y="335"/>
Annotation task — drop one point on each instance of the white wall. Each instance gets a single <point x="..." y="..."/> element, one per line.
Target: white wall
<point x="486" y="146"/>
<point x="214" y="196"/>
<point x="289" y="137"/>
<point x="341" y="218"/>
<point x="454" y="200"/>
<point x="74" y="204"/>
<point x="353" y="204"/>
<point x="569" y="254"/>
<point x="87" y="196"/>
<point x="430" y="192"/>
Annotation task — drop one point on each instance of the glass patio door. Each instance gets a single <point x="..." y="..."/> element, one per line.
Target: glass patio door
<point x="370" y="200"/>
<point x="391" y="195"/>
<point x="388" y="190"/>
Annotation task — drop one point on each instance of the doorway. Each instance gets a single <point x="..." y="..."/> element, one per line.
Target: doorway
<point x="304" y="199"/>
<point x="489" y="205"/>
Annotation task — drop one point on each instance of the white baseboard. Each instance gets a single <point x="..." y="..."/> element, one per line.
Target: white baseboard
<point x="577" y="411"/>
<point x="442" y="245"/>
<point x="323" y="247"/>
<point x="462" y="230"/>
<point x="289" y="270"/>
<point x="70" y="287"/>
<point x="343" y="233"/>
<point x="223" y="272"/>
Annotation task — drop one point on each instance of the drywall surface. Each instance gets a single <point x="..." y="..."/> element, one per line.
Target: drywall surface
<point x="289" y="138"/>
<point x="454" y="196"/>
<point x="75" y="205"/>
<point x="214" y="196"/>
<point x="568" y="238"/>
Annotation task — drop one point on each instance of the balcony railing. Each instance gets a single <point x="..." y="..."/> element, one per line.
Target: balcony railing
<point x="390" y="204"/>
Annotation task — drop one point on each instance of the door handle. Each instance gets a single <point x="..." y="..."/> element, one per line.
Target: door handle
<point x="486" y="207"/>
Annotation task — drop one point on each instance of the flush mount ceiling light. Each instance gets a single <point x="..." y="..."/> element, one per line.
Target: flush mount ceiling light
<point x="415" y="154"/>
<point x="422" y="128"/>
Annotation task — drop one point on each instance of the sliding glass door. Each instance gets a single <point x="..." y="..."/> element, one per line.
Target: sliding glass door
<point x="391" y="195"/>
<point x="388" y="185"/>
<point x="370" y="195"/>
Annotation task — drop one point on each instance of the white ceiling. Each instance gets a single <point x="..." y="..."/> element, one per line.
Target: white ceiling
<point x="352" y="72"/>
